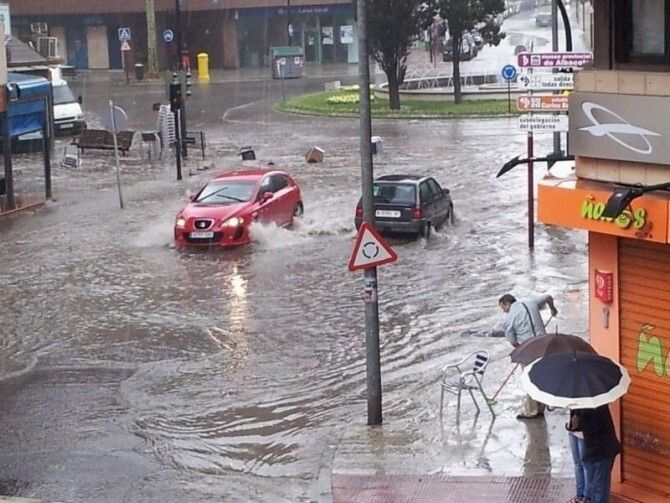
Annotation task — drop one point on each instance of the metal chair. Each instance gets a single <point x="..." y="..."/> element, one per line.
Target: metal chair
<point x="466" y="374"/>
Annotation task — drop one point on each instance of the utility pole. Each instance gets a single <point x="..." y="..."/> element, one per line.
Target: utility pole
<point x="152" y="55"/>
<point x="372" y="356"/>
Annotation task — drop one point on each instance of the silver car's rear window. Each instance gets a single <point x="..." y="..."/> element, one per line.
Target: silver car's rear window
<point x="394" y="193"/>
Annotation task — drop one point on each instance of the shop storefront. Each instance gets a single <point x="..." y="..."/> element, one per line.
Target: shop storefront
<point x="86" y="41"/>
<point x="324" y="32"/>
<point x="619" y="140"/>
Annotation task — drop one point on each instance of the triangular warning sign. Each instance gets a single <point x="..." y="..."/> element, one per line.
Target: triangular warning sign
<point x="370" y="249"/>
<point x="125" y="46"/>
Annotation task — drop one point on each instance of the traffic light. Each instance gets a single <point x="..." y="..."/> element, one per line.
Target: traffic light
<point x="175" y="96"/>
<point x="188" y="83"/>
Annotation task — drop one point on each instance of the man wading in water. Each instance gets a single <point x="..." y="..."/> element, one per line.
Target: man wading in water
<point x="522" y="322"/>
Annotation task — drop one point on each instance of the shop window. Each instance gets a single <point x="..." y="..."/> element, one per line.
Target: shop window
<point x="641" y="30"/>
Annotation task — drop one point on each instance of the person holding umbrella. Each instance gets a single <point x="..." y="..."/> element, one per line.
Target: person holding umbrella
<point x="601" y="447"/>
<point x="523" y="321"/>
<point x="588" y="383"/>
<point x="577" y="447"/>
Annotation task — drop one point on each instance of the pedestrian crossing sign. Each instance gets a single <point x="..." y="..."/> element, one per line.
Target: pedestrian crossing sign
<point x="124" y="34"/>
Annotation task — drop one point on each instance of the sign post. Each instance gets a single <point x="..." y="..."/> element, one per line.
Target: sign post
<point x="124" y="38"/>
<point x="370" y="250"/>
<point x="509" y="74"/>
<point x="543" y="123"/>
<point x="554" y="59"/>
<point x="113" y="120"/>
<point x="542" y="103"/>
<point x="546" y="81"/>
<point x="372" y="351"/>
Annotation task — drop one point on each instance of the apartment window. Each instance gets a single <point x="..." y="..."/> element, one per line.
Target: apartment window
<point x="641" y="30"/>
<point x="648" y="28"/>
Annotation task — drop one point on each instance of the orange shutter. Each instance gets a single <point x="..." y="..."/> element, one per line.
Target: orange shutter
<point x="644" y="286"/>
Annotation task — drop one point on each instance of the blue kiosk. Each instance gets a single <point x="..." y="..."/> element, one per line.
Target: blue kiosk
<point x="28" y="104"/>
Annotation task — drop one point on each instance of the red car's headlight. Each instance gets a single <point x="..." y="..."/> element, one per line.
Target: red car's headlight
<point x="180" y="223"/>
<point x="233" y="222"/>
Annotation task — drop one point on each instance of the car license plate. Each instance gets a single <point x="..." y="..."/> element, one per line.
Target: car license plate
<point x="66" y="125"/>
<point x="387" y="213"/>
<point x="202" y="234"/>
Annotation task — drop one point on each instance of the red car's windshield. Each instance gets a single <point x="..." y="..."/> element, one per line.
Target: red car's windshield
<point x="226" y="192"/>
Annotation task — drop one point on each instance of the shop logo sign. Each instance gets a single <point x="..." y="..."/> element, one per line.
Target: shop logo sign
<point x="623" y="127"/>
<point x="650" y="350"/>
<point x="593" y="210"/>
<point x="616" y="130"/>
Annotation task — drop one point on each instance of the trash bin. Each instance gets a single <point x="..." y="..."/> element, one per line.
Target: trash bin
<point x="288" y="62"/>
<point x="139" y="71"/>
<point x="203" y="66"/>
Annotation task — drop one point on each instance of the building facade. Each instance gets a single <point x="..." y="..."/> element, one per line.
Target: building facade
<point x="620" y="135"/>
<point x="234" y="33"/>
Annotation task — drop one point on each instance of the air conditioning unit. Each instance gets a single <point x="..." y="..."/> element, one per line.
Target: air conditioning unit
<point x="48" y="47"/>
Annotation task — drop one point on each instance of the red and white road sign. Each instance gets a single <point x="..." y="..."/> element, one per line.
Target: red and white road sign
<point x="370" y="249"/>
<point x="554" y="59"/>
<point x="125" y="46"/>
<point x="542" y="103"/>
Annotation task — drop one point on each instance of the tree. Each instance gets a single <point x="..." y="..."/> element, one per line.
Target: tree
<point x="461" y="17"/>
<point x="393" y="25"/>
<point x="152" y="58"/>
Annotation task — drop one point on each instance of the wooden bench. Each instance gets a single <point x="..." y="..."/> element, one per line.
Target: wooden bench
<point x="103" y="140"/>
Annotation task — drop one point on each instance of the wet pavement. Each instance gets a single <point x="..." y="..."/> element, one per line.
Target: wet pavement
<point x="135" y="372"/>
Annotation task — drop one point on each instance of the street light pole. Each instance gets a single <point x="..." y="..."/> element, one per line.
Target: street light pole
<point x="289" y="28"/>
<point x="177" y="32"/>
<point x="180" y="67"/>
<point x="372" y="357"/>
<point x="554" y="48"/>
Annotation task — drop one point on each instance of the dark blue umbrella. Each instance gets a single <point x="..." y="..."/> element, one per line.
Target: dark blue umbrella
<point x="577" y="380"/>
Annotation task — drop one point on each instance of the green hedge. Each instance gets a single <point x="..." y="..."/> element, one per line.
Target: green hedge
<point x="346" y="105"/>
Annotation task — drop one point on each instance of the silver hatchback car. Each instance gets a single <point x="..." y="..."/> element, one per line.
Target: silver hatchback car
<point x="408" y="204"/>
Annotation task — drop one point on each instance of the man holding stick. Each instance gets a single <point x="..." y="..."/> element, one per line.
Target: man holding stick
<point x="522" y="322"/>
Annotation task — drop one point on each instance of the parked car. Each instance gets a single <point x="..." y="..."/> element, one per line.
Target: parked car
<point x="408" y="204"/>
<point x="468" y="48"/>
<point x="543" y="20"/>
<point x="221" y="213"/>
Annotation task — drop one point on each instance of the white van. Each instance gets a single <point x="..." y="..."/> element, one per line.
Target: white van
<point x="68" y="115"/>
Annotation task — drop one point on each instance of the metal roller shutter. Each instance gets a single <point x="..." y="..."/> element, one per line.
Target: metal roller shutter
<point x="644" y="300"/>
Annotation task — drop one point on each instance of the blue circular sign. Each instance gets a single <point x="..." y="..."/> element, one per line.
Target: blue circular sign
<point x="168" y="36"/>
<point x="508" y="72"/>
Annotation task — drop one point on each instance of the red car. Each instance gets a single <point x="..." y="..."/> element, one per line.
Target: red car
<point x="222" y="212"/>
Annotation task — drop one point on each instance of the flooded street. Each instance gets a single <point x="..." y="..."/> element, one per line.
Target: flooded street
<point x="231" y="375"/>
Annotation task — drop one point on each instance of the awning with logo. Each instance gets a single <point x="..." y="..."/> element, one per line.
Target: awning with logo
<point x="578" y="204"/>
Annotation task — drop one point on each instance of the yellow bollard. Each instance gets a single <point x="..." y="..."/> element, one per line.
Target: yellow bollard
<point x="203" y="66"/>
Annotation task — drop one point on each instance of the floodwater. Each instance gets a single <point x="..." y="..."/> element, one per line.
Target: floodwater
<point x="137" y="372"/>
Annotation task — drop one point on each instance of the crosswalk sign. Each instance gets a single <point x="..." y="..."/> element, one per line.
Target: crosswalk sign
<point x="370" y="249"/>
<point x="124" y="34"/>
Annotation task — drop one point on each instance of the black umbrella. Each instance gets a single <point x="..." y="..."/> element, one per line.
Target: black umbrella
<point x="544" y="345"/>
<point x="576" y="380"/>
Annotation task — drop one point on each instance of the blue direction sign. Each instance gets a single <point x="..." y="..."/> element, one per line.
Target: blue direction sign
<point x="168" y="36"/>
<point x="508" y="72"/>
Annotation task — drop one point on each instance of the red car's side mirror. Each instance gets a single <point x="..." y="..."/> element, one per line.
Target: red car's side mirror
<point x="267" y="196"/>
<point x="191" y="197"/>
